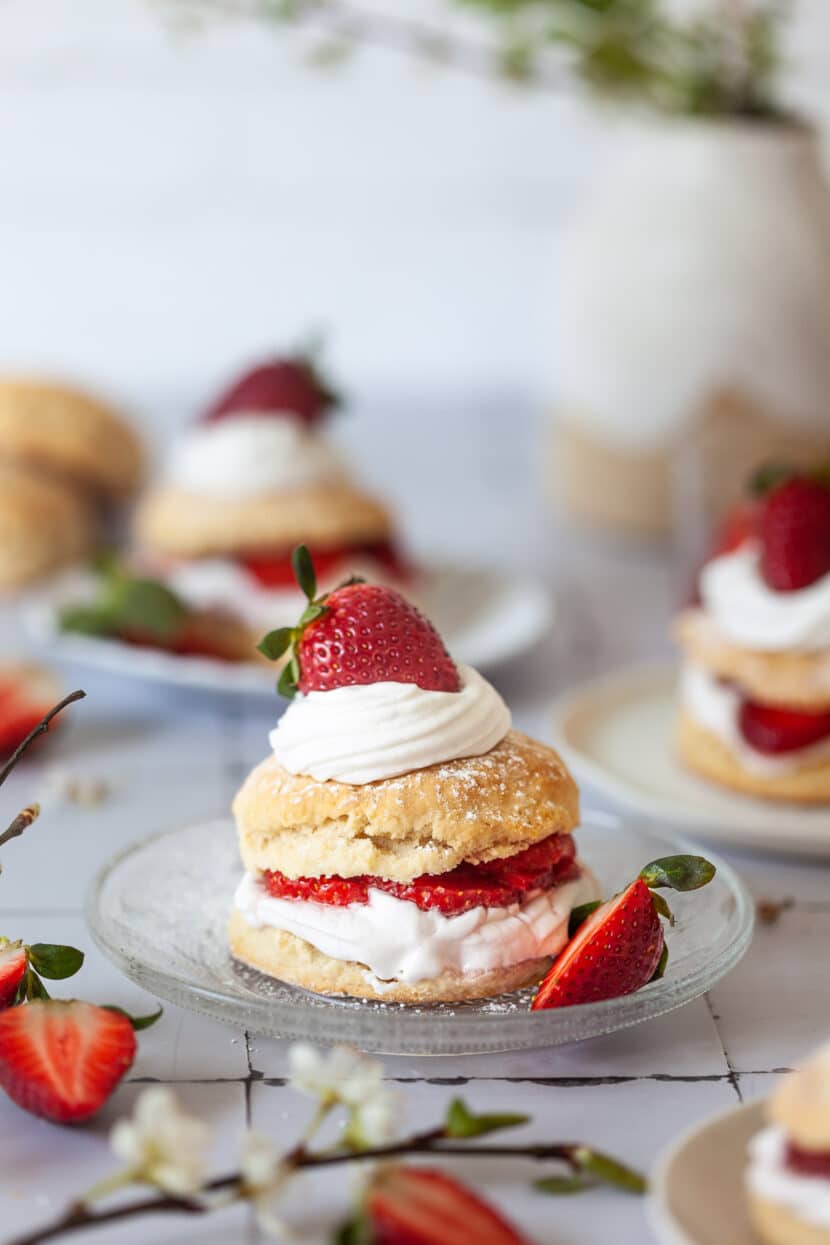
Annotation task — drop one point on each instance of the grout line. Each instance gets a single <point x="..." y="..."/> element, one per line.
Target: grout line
<point x="733" y="1077"/>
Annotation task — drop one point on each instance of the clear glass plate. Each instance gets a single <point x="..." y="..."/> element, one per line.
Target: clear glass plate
<point x="159" y="910"/>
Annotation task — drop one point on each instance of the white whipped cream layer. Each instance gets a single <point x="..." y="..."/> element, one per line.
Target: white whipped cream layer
<point x="250" y="455"/>
<point x="364" y="733"/>
<point x="397" y="941"/>
<point x="716" y="706"/>
<point x="748" y="612"/>
<point x="221" y="583"/>
<point x="767" y="1176"/>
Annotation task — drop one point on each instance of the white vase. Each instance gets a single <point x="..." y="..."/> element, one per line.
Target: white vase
<point x="694" y="320"/>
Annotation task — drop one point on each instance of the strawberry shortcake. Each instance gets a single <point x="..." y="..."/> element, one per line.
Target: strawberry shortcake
<point x="401" y="842"/>
<point x="788" y="1173"/>
<point x="755" y="687"/>
<point x="240" y="488"/>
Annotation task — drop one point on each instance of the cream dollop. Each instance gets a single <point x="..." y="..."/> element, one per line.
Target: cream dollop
<point x="363" y="733"/>
<point x="248" y="455"/>
<point x="748" y="612"/>
<point x="768" y="1177"/>
<point x="397" y="941"/>
<point x="716" y="706"/>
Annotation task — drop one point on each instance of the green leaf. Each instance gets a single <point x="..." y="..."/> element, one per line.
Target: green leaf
<point x="580" y="915"/>
<point x="661" y="906"/>
<point x="561" y="1184"/>
<point x="304" y="571"/>
<point x="311" y="612"/>
<point x="354" y="1231"/>
<point x="276" y="643"/>
<point x="287" y="685"/>
<point x="35" y="989"/>
<point x="55" y="962"/>
<point x="660" y="970"/>
<point x="138" y="1022"/>
<point x="768" y="476"/>
<point x="145" y="605"/>
<point x="461" y="1122"/>
<point x="87" y="620"/>
<point x="679" y="873"/>
<point x="608" y="1170"/>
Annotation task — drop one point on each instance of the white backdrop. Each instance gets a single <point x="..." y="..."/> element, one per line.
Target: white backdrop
<point x="169" y="205"/>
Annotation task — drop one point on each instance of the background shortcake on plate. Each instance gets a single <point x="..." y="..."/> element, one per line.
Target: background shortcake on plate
<point x="244" y="485"/>
<point x="401" y="842"/>
<point x="755" y="687"/>
<point x="788" y="1173"/>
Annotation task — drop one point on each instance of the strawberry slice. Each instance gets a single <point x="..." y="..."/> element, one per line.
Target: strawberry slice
<point x="772" y="730"/>
<point x="808" y="1162"/>
<point x="614" y="952"/>
<point x="422" y="1206"/>
<point x="277" y="571"/>
<point x="13" y="965"/>
<point x="62" y="1060"/>
<point x="493" y="885"/>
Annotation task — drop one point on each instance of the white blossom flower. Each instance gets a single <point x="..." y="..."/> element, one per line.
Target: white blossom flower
<point x="263" y="1177"/>
<point x="161" y="1144"/>
<point x="345" y="1076"/>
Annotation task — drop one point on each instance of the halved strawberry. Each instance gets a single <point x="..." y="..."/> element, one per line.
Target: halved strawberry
<point x="13" y="965"/>
<point x="493" y="885"/>
<point x="62" y="1060"/>
<point x="614" y="952"/>
<point x="422" y="1206"/>
<point x="26" y="694"/>
<point x="292" y="385"/>
<point x="773" y="730"/>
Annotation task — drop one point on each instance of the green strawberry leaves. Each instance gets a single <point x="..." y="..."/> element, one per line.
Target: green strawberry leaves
<point x="304" y="571"/>
<point x="125" y="603"/>
<point x="276" y="643"/>
<point x="460" y="1122"/>
<point x="54" y="962"/>
<point x="580" y="915"/>
<point x="678" y="873"/>
<point x="284" y="640"/>
<point x="137" y="1022"/>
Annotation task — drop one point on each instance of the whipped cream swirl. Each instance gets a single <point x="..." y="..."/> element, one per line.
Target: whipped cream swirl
<point x="250" y="455"/>
<point x="397" y="941"/>
<point x="716" y="707"/>
<point x="363" y="733"/>
<point x="748" y="612"/>
<point x="768" y="1177"/>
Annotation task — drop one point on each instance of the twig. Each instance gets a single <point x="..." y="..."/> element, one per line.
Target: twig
<point x="21" y="822"/>
<point x="40" y="729"/>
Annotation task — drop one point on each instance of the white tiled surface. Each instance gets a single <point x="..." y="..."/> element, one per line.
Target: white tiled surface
<point x="170" y="760"/>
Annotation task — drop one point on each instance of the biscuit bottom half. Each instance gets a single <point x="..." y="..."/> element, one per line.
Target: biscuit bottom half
<point x="293" y="960"/>
<point x="703" y="752"/>
<point x="777" y="1225"/>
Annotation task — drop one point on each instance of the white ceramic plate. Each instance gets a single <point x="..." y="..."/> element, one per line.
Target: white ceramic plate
<point x="697" y="1189"/>
<point x="617" y="732"/>
<point x="484" y="616"/>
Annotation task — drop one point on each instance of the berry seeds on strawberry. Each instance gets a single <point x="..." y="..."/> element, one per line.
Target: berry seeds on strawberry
<point x="618" y="947"/>
<point x="358" y="634"/>
<point x="794" y="533"/>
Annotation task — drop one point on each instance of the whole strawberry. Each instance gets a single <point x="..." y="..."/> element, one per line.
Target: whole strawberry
<point x="794" y="533"/>
<point x="360" y="633"/>
<point x="292" y="385"/>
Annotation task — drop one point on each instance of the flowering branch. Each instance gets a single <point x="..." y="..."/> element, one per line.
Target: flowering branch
<point x="164" y="1147"/>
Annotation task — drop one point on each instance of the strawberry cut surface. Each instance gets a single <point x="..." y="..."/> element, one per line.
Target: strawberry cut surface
<point x="614" y="952"/>
<point x="794" y="532"/>
<point x="773" y="730"/>
<point x="496" y="884"/>
<point x="371" y="634"/>
<point x="62" y="1060"/>
<point x="422" y="1206"/>
<point x="276" y="570"/>
<point x="21" y="708"/>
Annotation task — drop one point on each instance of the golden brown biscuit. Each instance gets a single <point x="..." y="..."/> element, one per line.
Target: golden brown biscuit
<point x="708" y="756"/>
<point x="70" y="434"/>
<point x="801" y="1103"/>
<point x="428" y="821"/>
<point x="795" y="680"/>
<point x="43" y="525"/>
<point x="291" y="959"/>
<point x="187" y="525"/>
<point x="776" y="1225"/>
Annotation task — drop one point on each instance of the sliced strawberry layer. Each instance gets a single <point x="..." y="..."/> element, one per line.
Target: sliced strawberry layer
<point x="276" y="571"/>
<point x="496" y="884"/>
<point x="18" y="715"/>
<point x="773" y="730"/>
<point x="808" y="1162"/>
